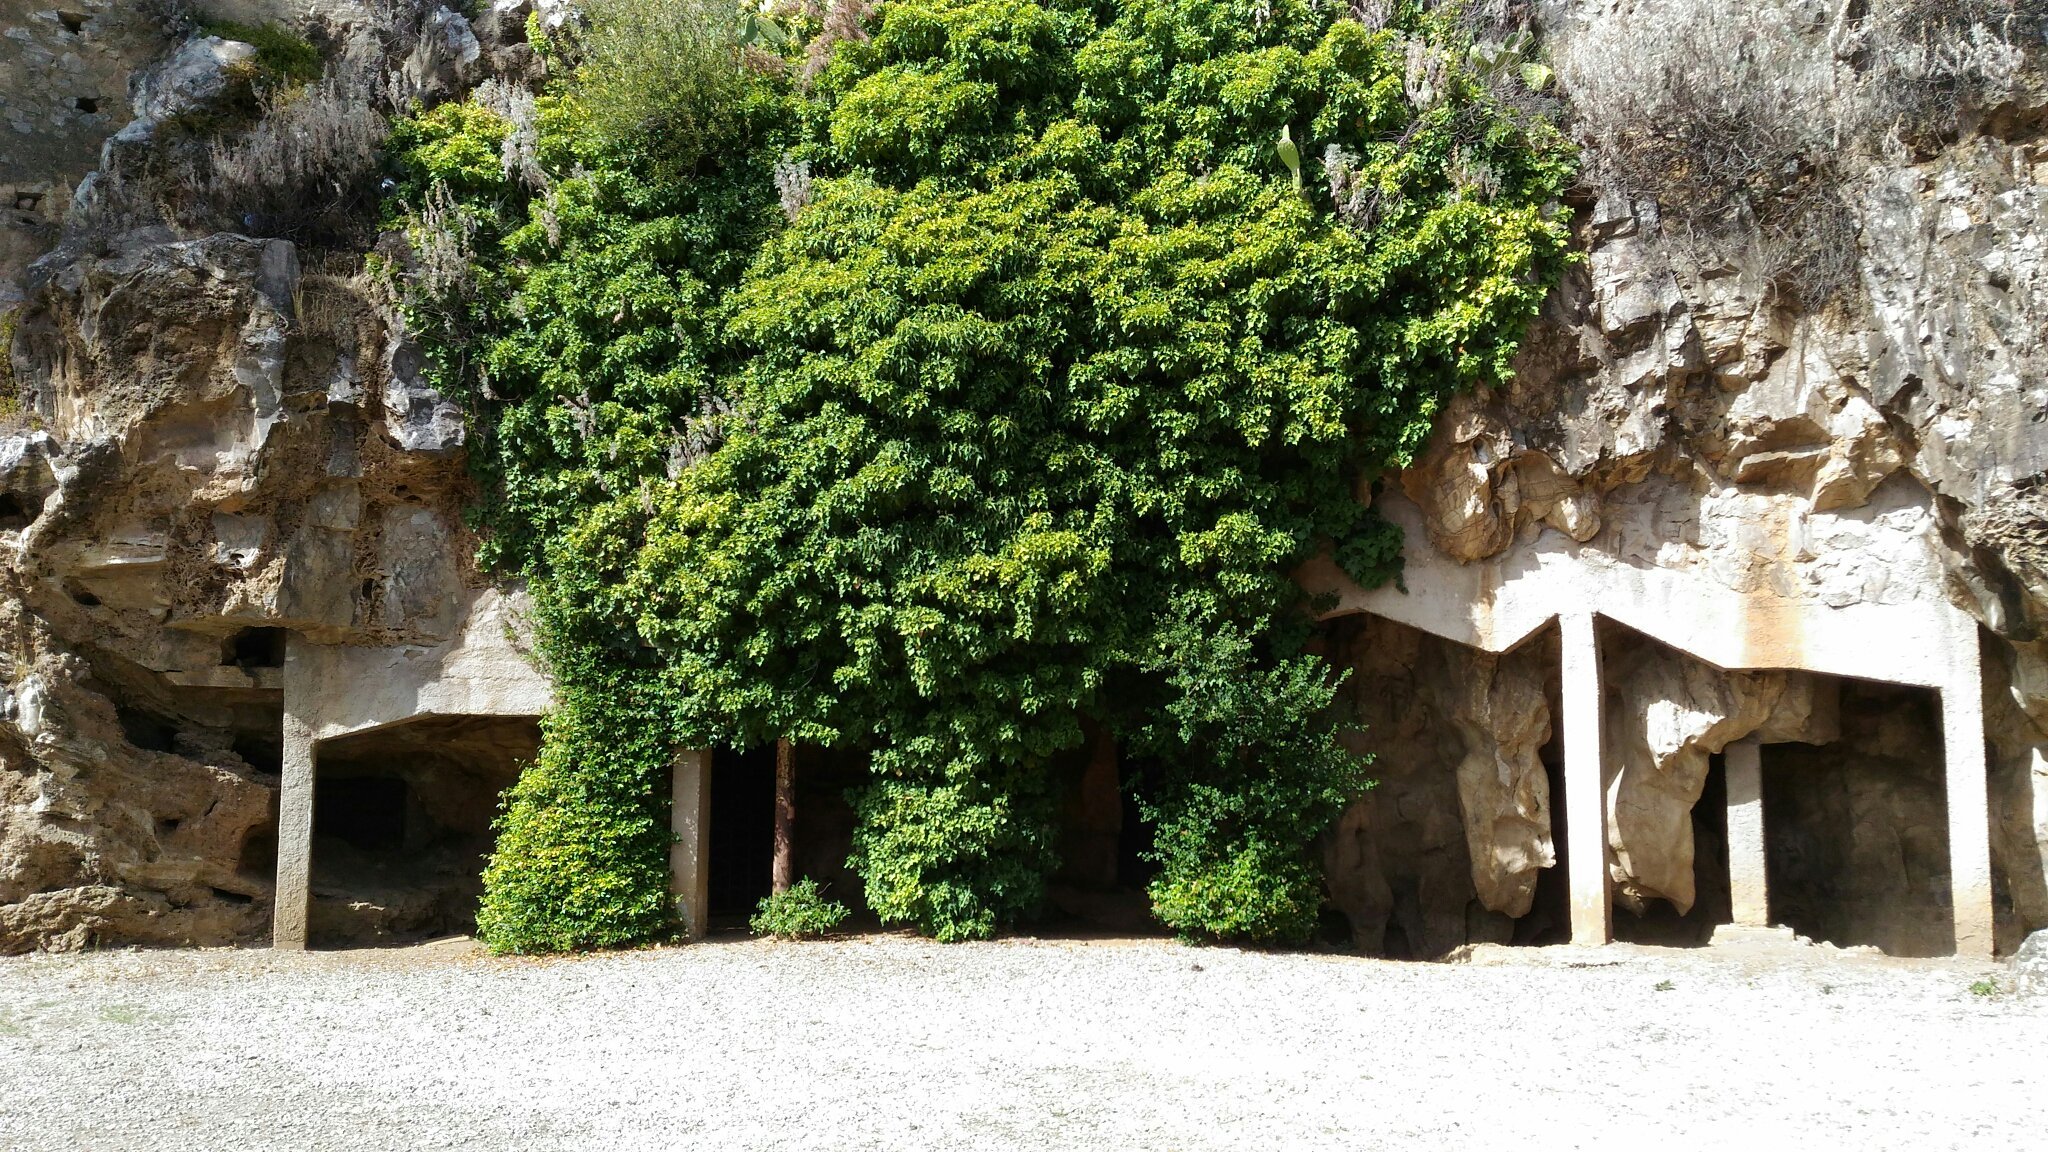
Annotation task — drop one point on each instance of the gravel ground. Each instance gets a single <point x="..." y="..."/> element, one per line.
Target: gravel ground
<point x="891" y="1042"/>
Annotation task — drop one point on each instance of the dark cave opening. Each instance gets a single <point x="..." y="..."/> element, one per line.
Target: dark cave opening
<point x="402" y="826"/>
<point x="364" y="812"/>
<point x="255" y="648"/>
<point x="741" y="858"/>
<point x="826" y="781"/>
<point x="146" y="730"/>
<point x="1549" y="919"/>
<point x="260" y="748"/>
<point x="1856" y="831"/>
<point x="14" y="515"/>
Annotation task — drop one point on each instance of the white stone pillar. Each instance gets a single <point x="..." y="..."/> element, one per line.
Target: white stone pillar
<point x="689" y="873"/>
<point x="1747" y="887"/>
<point x="293" y="894"/>
<point x="1969" y="803"/>
<point x="1585" y="800"/>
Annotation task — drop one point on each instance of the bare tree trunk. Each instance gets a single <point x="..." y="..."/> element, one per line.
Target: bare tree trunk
<point x="785" y="816"/>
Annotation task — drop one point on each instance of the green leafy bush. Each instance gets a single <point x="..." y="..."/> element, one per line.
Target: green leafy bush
<point x="799" y="912"/>
<point x="665" y="73"/>
<point x="283" y="57"/>
<point x="1255" y="778"/>
<point x="582" y="855"/>
<point x="995" y="380"/>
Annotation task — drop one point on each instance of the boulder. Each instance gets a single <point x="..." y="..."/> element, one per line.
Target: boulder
<point x="2030" y="966"/>
<point x="199" y="77"/>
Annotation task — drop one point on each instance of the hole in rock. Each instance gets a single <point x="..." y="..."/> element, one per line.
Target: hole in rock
<point x="258" y="857"/>
<point x="73" y="22"/>
<point x="166" y="826"/>
<point x="81" y="597"/>
<point x="14" y="514"/>
<point x="231" y="897"/>
<point x="1549" y="919"/>
<point x="261" y="750"/>
<point x="87" y="104"/>
<point x="1856" y="831"/>
<point x="1100" y="885"/>
<point x="255" y="648"/>
<point x="741" y="860"/>
<point x="402" y="825"/>
<point x="365" y="812"/>
<point x="146" y="730"/>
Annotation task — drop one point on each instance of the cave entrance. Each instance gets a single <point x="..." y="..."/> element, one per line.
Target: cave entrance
<point x="1103" y="840"/>
<point x="826" y="780"/>
<point x="741" y="859"/>
<point x="1661" y="922"/>
<point x="1549" y="919"/>
<point x="1855" y="831"/>
<point x="402" y="826"/>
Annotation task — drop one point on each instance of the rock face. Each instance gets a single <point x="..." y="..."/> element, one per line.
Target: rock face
<point x="1450" y="846"/>
<point x="1674" y="412"/>
<point x="215" y="444"/>
<point x="2030" y="966"/>
<point x="204" y="451"/>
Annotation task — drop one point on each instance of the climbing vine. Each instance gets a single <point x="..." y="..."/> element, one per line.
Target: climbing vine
<point x="991" y="370"/>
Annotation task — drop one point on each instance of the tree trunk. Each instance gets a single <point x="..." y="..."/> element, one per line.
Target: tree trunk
<point x="785" y="817"/>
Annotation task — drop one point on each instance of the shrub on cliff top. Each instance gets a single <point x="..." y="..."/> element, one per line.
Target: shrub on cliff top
<point x="997" y="380"/>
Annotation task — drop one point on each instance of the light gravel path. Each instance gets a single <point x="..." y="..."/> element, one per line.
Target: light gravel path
<point x="889" y="1042"/>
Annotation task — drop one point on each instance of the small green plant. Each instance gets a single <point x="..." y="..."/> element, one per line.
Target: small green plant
<point x="800" y="912"/>
<point x="1665" y="986"/>
<point x="10" y="400"/>
<point x="8" y="1025"/>
<point x="121" y="1014"/>
<point x="1984" y="988"/>
<point x="663" y="72"/>
<point x="1827" y="989"/>
<point x="283" y="58"/>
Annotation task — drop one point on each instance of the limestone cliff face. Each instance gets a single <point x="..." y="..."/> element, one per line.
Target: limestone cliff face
<point x="209" y="442"/>
<point x="214" y="439"/>
<point x="1673" y="412"/>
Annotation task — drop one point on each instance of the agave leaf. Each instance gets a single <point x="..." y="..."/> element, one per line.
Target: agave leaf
<point x="1537" y="76"/>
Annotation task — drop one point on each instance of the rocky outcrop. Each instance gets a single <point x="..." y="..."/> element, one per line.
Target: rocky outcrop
<point x="1450" y="845"/>
<point x="213" y="435"/>
<point x="210" y="442"/>
<point x="1674" y="410"/>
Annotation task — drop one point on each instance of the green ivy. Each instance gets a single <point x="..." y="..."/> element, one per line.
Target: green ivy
<point x="1085" y="326"/>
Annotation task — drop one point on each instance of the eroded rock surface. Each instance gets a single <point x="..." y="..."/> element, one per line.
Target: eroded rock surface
<point x="215" y="443"/>
<point x="204" y="458"/>
<point x="1673" y="411"/>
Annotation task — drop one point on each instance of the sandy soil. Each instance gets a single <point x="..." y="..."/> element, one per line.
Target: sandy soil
<point x="889" y="1042"/>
